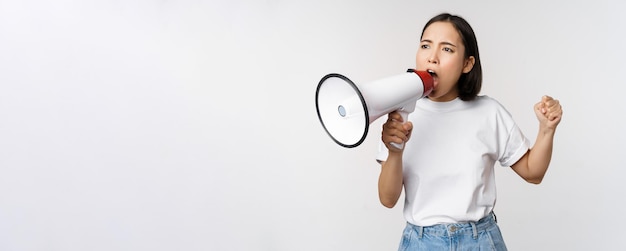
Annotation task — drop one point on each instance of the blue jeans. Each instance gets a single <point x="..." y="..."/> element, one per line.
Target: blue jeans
<point x="481" y="235"/>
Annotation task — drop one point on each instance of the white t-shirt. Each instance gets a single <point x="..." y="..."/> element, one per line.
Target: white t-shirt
<point x="448" y="164"/>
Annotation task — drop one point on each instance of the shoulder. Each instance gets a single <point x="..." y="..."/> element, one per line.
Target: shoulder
<point x="488" y="106"/>
<point x="488" y="102"/>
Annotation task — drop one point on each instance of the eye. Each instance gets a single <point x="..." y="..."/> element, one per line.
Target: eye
<point x="424" y="46"/>
<point x="448" y="49"/>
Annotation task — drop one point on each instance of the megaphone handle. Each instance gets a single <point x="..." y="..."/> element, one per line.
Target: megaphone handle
<point x="405" y="116"/>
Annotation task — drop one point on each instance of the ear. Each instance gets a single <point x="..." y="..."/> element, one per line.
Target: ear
<point x="469" y="64"/>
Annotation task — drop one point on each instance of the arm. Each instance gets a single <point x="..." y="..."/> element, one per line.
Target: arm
<point x="533" y="165"/>
<point x="390" y="181"/>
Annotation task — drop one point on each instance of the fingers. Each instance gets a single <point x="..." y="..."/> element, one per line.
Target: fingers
<point x="549" y="112"/>
<point x="551" y="108"/>
<point x="394" y="116"/>
<point x="394" y="130"/>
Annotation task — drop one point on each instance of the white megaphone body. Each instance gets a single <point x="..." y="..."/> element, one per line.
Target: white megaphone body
<point x="346" y="110"/>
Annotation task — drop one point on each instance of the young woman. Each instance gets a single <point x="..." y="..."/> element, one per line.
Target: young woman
<point x="456" y="136"/>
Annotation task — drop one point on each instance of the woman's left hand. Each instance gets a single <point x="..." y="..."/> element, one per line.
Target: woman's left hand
<point x="548" y="112"/>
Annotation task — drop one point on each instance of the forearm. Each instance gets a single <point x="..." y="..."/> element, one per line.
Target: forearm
<point x="390" y="180"/>
<point x="540" y="156"/>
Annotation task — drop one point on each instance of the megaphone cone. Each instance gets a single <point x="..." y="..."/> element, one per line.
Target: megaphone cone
<point x="346" y="110"/>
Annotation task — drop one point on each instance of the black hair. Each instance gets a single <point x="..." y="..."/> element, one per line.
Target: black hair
<point x="469" y="83"/>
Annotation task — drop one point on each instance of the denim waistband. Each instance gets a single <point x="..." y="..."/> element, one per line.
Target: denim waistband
<point x="462" y="228"/>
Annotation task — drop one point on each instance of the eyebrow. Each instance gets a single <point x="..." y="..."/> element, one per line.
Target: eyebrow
<point x="445" y="43"/>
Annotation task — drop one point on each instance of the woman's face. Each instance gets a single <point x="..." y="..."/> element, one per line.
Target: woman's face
<point x="441" y="53"/>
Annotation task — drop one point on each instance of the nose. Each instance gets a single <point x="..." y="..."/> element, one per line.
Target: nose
<point x="433" y="59"/>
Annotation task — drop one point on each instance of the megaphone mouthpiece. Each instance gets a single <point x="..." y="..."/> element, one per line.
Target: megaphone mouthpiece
<point x="427" y="80"/>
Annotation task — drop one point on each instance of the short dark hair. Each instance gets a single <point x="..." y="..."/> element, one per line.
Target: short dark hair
<point x="469" y="83"/>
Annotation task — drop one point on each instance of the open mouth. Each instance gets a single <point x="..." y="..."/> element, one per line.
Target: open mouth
<point x="432" y="73"/>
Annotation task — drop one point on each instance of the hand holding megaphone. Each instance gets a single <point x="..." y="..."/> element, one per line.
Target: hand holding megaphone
<point x="396" y="128"/>
<point x="346" y="109"/>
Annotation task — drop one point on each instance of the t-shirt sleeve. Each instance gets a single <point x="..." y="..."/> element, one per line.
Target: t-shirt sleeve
<point x="513" y="143"/>
<point x="383" y="153"/>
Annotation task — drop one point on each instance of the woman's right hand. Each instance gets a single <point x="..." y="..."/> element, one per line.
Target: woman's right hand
<point x="396" y="130"/>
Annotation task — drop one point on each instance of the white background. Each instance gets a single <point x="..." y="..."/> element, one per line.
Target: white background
<point x="191" y="125"/>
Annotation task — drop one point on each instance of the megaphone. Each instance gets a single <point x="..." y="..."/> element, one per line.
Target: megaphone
<point x="346" y="110"/>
